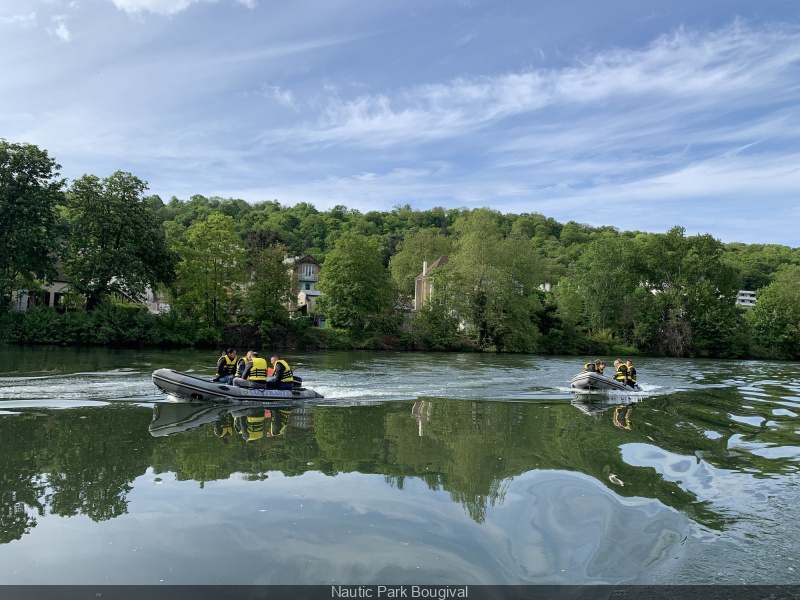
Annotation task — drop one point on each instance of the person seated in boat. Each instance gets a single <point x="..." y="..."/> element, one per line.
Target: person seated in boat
<point x="622" y="372"/>
<point x="600" y="367"/>
<point x="591" y="366"/>
<point x="243" y="362"/>
<point x="282" y="376"/>
<point x="255" y="373"/>
<point x="226" y="367"/>
<point x="631" y="373"/>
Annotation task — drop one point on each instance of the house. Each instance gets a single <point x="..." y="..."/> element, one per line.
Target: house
<point x="305" y="272"/>
<point x="423" y="283"/>
<point x="52" y="295"/>
<point x="746" y="298"/>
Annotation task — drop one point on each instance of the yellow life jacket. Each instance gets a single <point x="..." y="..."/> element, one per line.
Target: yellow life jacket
<point x="622" y="373"/>
<point x="258" y="372"/>
<point x="593" y="368"/>
<point x="632" y="374"/>
<point x="229" y="368"/>
<point x="287" y="375"/>
<point x="241" y="366"/>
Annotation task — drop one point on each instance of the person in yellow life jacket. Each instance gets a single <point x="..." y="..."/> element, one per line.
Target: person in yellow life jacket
<point x="600" y="367"/>
<point x="243" y="362"/>
<point x="622" y="371"/>
<point x="226" y="367"/>
<point x="631" y="373"/>
<point x="255" y="373"/>
<point x="283" y="377"/>
<point x="591" y="366"/>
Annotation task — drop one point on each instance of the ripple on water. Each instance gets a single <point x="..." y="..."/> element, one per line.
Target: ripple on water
<point x="569" y="528"/>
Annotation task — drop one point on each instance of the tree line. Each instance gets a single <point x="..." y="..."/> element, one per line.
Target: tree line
<point x="222" y="261"/>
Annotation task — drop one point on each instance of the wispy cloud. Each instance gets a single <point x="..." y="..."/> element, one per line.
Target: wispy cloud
<point x="678" y="76"/>
<point x="60" y="29"/>
<point x="166" y="7"/>
<point x="26" y="19"/>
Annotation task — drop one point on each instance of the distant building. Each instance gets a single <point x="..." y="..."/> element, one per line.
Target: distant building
<point x="306" y="272"/>
<point x="423" y="283"/>
<point x="52" y="296"/>
<point x="746" y="298"/>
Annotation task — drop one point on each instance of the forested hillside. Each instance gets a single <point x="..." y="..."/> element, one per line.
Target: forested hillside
<point x="221" y="261"/>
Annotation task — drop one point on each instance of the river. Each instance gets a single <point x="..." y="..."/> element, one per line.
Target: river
<point x="416" y="468"/>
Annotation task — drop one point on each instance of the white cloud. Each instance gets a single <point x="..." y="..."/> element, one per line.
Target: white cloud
<point x="61" y="28"/>
<point x="28" y="19"/>
<point x="166" y="7"/>
<point x="678" y="76"/>
<point x="284" y="97"/>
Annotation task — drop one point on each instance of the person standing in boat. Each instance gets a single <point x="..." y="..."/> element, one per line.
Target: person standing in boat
<point x="631" y="373"/>
<point x="255" y="373"/>
<point x="622" y="372"/>
<point x="282" y="376"/>
<point x="226" y="367"/>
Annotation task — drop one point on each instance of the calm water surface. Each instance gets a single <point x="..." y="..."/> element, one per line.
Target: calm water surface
<point x="416" y="468"/>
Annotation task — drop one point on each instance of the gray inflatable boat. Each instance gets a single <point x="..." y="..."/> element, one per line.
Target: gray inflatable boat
<point x="588" y="381"/>
<point x="195" y="388"/>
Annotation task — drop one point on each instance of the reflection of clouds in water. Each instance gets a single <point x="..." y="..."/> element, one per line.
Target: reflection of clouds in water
<point x="354" y="529"/>
<point x="708" y="483"/>
<point x="569" y="528"/>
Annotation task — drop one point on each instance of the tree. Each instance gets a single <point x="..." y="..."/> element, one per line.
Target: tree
<point x="355" y="282"/>
<point x="494" y="282"/>
<point x="30" y="190"/>
<point x="607" y="273"/>
<point x="695" y="295"/>
<point x="425" y="245"/>
<point x="212" y="263"/>
<point x="775" y="319"/>
<point x="116" y="243"/>
<point x="270" y="288"/>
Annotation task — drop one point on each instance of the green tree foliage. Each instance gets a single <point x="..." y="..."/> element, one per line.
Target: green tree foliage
<point x="355" y="282"/>
<point x="424" y="245"/>
<point x="493" y="284"/>
<point x="30" y="190"/>
<point x="606" y="274"/>
<point x="116" y="243"/>
<point x="775" y="319"/>
<point x="211" y="266"/>
<point x="695" y="294"/>
<point x="269" y="290"/>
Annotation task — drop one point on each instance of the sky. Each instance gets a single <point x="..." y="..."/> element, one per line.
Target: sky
<point x="640" y="114"/>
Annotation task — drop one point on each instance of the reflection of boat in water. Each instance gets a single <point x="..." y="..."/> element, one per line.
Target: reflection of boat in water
<point x="595" y="381"/>
<point x="176" y="417"/>
<point x="188" y="386"/>
<point x="596" y="406"/>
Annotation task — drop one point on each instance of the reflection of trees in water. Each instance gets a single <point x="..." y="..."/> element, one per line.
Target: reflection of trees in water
<point x="71" y="462"/>
<point x="83" y="461"/>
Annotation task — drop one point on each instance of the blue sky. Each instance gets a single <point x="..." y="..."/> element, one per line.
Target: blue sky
<point x="638" y="114"/>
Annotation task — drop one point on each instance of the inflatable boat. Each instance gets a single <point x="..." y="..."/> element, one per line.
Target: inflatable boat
<point x="195" y="388"/>
<point x="589" y="381"/>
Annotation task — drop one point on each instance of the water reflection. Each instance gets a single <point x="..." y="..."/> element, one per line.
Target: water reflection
<point x="530" y="490"/>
